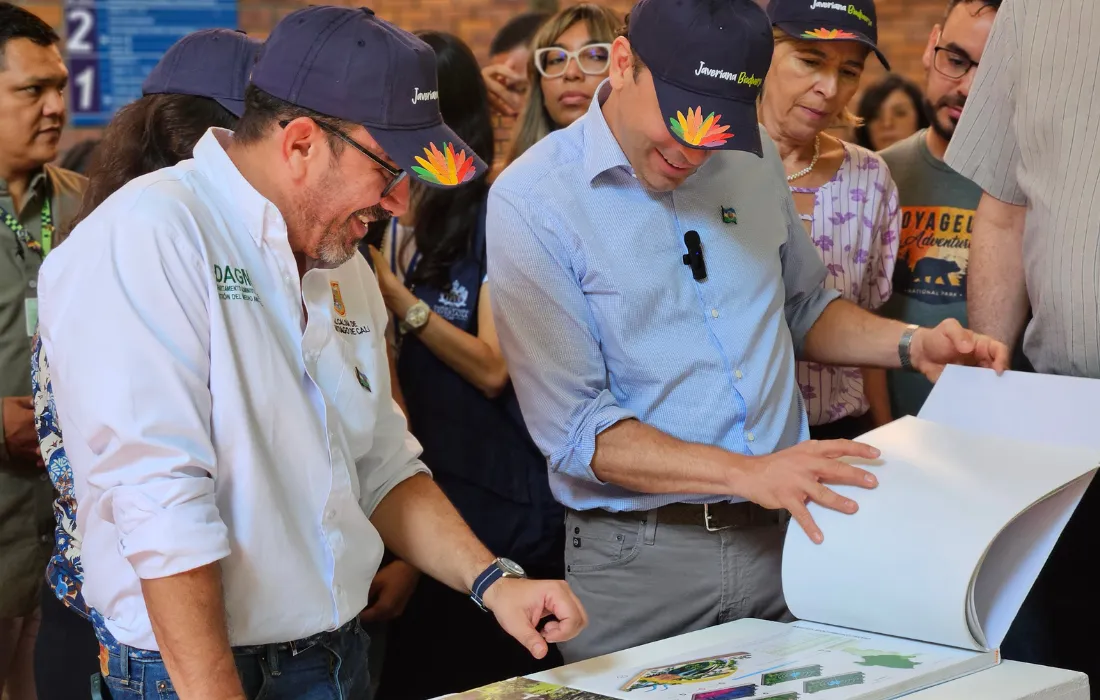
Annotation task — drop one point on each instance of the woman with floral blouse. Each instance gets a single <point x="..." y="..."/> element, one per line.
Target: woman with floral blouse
<point x="844" y="193"/>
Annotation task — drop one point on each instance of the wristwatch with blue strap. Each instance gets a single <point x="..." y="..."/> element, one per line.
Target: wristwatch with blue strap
<point x="501" y="568"/>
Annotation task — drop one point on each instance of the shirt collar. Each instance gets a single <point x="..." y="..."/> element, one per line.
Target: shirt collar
<point x="255" y="210"/>
<point x="37" y="184"/>
<point x="602" y="151"/>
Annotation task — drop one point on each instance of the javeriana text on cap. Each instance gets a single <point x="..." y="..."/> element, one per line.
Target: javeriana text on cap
<point x="352" y="65"/>
<point x="708" y="59"/>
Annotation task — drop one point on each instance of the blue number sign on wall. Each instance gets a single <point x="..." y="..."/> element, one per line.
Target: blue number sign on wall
<point x="112" y="45"/>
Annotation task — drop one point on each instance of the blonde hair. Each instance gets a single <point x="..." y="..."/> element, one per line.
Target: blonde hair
<point x="847" y="118"/>
<point x="535" y="123"/>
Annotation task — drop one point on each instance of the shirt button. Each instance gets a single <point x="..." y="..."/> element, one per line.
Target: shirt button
<point x="750" y="437"/>
<point x="714" y="313"/>
<point x="738" y="374"/>
<point x="45" y="538"/>
<point x="44" y="477"/>
<point x="330" y="514"/>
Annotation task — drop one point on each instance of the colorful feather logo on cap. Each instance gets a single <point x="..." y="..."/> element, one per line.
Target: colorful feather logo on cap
<point x="445" y="167"/>
<point x="697" y="131"/>
<point x="828" y="34"/>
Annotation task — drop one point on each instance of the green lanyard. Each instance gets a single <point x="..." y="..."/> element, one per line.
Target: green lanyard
<point x="43" y="249"/>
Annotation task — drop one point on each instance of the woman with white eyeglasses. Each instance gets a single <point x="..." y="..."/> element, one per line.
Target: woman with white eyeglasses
<point x="569" y="59"/>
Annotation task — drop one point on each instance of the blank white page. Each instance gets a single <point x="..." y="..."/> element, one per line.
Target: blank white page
<point x="903" y="564"/>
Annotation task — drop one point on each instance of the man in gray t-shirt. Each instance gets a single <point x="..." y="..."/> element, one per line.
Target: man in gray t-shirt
<point x="937" y="203"/>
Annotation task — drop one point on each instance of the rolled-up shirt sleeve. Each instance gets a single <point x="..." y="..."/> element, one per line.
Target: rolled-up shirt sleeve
<point x="548" y="335"/>
<point x="126" y="327"/>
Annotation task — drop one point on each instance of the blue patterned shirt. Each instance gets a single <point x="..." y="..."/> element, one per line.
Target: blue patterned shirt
<point x="601" y="321"/>
<point x="64" y="573"/>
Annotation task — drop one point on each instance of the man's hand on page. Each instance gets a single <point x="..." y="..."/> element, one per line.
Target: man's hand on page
<point x="793" y="477"/>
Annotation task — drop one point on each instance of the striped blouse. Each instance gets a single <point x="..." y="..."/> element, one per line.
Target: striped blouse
<point x="855" y="228"/>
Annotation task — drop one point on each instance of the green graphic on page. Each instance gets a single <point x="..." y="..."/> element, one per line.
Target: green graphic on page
<point x="884" y="659"/>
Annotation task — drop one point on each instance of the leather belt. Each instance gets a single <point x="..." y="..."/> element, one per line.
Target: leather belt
<point x="719" y="516"/>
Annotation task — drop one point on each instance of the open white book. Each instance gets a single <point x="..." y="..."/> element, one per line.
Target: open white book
<point x="973" y="495"/>
<point x="917" y="588"/>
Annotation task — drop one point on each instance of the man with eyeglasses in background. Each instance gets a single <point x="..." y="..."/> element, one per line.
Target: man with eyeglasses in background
<point x="937" y="203"/>
<point x="219" y="368"/>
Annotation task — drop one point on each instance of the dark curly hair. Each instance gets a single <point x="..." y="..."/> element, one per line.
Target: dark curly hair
<point x="154" y="132"/>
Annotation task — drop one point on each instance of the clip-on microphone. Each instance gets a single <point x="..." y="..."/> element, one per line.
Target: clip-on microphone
<point x="694" y="258"/>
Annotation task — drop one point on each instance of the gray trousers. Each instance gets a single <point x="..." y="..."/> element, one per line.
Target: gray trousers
<point x="641" y="581"/>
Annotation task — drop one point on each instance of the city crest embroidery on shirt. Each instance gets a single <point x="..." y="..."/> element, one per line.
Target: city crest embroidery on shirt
<point x="235" y="284"/>
<point x="340" y="322"/>
<point x="337" y="299"/>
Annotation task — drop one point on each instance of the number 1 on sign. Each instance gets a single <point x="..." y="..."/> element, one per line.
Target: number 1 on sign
<point x="85" y="88"/>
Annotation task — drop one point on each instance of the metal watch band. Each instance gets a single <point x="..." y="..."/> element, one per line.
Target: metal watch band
<point x="421" y="307"/>
<point x="904" y="345"/>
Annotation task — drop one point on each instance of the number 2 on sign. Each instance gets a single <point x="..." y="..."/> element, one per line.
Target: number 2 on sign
<point x="79" y="35"/>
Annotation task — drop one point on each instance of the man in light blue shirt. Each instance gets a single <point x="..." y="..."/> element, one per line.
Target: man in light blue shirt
<point x="661" y="385"/>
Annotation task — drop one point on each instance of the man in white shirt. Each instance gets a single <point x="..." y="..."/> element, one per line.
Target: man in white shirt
<point x="220" y="371"/>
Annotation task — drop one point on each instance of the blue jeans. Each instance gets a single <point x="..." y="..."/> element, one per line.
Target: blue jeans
<point x="328" y="666"/>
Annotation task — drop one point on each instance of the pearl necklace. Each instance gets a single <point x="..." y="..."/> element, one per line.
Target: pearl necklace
<point x="813" y="163"/>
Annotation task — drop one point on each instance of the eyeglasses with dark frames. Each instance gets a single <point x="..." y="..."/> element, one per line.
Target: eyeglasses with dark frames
<point x="397" y="174"/>
<point x="951" y="63"/>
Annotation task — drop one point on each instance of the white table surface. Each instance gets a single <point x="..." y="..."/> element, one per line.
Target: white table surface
<point x="1009" y="680"/>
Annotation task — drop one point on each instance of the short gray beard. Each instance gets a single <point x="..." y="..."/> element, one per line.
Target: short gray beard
<point x="332" y="250"/>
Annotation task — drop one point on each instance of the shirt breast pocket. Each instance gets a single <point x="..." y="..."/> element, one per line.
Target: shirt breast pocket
<point x="358" y="394"/>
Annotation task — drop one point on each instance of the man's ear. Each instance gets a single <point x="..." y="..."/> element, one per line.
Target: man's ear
<point x="621" y="63"/>
<point x="301" y="141"/>
<point x="930" y="50"/>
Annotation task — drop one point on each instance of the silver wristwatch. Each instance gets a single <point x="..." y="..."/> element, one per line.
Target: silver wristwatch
<point x="416" y="317"/>
<point x="904" y="345"/>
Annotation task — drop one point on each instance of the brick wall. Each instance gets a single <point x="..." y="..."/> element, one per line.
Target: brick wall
<point x="904" y="23"/>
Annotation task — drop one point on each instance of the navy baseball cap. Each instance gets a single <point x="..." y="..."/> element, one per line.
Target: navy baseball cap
<point x="829" y="20"/>
<point x="212" y="63"/>
<point x="352" y="65"/>
<point x="708" y="60"/>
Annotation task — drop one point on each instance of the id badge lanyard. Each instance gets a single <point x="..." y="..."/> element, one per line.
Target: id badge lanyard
<point x="25" y="240"/>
